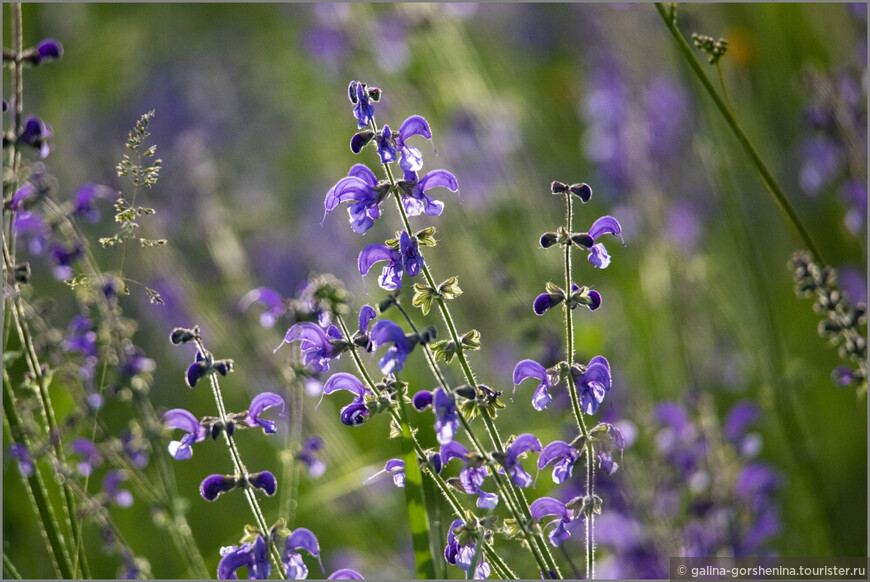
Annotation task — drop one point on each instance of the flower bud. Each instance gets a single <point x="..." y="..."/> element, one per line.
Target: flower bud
<point x="582" y="191"/>
<point x="548" y="239"/>
<point x="558" y="187"/>
<point x="214" y="485"/>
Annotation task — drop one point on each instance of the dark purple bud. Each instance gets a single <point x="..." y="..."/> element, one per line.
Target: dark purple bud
<point x="214" y="485"/>
<point x="216" y="429"/>
<point x="548" y="239"/>
<point x="435" y="461"/>
<point x="181" y="335"/>
<point x="361" y="140"/>
<point x="422" y="399"/>
<point x="264" y="480"/>
<point x="582" y="239"/>
<point x="558" y="187"/>
<point x="594" y="300"/>
<point x="467" y="392"/>
<point x="48" y="49"/>
<point x="582" y="190"/>
<point x="223" y="367"/>
<point x="196" y="371"/>
<point x="546" y="301"/>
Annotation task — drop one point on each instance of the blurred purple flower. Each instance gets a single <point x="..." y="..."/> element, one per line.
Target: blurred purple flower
<point x="260" y="404"/>
<point x="178" y="418"/>
<point x="91" y="457"/>
<point x="20" y="453"/>
<point x="112" y="488"/>
<point x="446" y="415"/>
<point x="271" y="300"/>
<point x="307" y="455"/>
<point x="85" y="197"/>
<point x="396" y="468"/>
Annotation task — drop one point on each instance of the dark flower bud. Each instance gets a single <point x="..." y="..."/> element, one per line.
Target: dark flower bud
<point x="582" y="239"/>
<point x="546" y="301"/>
<point x="182" y="335"/>
<point x="231" y="428"/>
<point x="223" y="367"/>
<point x="216" y="429"/>
<point x="21" y="272"/>
<point x="48" y="49"/>
<point x="374" y="94"/>
<point x="548" y="239"/>
<point x="558" y="187"/>
<point x="428" y="334"/>
<point x="422" y="399"/>
<point x="435" y="461"/>
<point x="361" y="140"/>
<point x="582" y="191"/>
<point x="467" y="392"/>
<point x="196" y="371"/>
<point x="213" y="485"/>
<point x="264" y="480"/>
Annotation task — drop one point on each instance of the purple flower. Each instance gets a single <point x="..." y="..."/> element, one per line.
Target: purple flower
<point x="422" y="399"/>
<point x="563" y="456"/>
<point x="307" y="456"/>
<point x="386" y="331"/>
<point x="317" y="346"/>
<point x="345" y="574"/>
<point x="270" y="299"/>
<point x="411" y="160"/>
<point x="362" y="187"/>
<point x="739" y="418"/>
<point x="35" y="227"/>
<point x="356" y="412"/>
<point x="360" y="96"/>
<point x="20" y="453"/>
<point x="83" y="202"/>
<point x="112" y="487"/>
<point x="386" y="146"/>
<point x="214" y="485"/>
<point x="233" y="558"/>
<point x="90" y="456"/>
<point x="548" y="506"/>
<point x="82" y="338"/>
<point x="264" y="480"/>
<point x="523" y="443"/>
<point x="471" y="477"/>
<point x="531" y="369"/>
<point x="593" y="384"/>
<point x="300" y="539"/>
<point x="414" y="196"/>
<point x="597" y="252"/>
<point x="366" y="314"/>
<point x="62" y="257"/>
<point x="411" y="257"/>
<point x="609" y="438"/>
<point x="259" y="404"/>
<point x="446" y="415"/>
<point x="36" y="134"/>
<point x="463" y="555"/>
<point x="48" y="49"/>
<point x="396" y="468"/>
<point x="196" y="432"/>
<point x="391" y="276"/>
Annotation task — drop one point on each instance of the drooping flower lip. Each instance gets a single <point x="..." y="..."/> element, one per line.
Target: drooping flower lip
<point x="260" y="404"/>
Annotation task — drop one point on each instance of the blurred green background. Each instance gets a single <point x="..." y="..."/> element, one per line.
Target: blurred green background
<point x="253" y="125"/>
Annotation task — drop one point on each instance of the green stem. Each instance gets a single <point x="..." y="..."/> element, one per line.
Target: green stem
<point x="769" y="181"/>
<point x="37" y="491"/>
<point x="9" y="570"/>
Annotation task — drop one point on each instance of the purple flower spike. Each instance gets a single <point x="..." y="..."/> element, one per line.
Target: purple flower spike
<point x="345" y="574"/>
<point x="422" y="399"/>
<point x="178" y="418"/>
<point x="233" y="559"/>
<point x="548" y="506"/>
<point x="300" y="539"/>
<point x="270" y="299"/>
<point x="361" y="187"/>
<point x="411" y="160"/>
<point x="417" y="201"/>
<point x="214" y="485"/>
<point x="48" y="49"/>
<point x="523" y="443"/>
<point x="446" y="416"/>
<point x="386" y="146"/>
<point x="317" y="347"/>
<point x="391" y="276"/>
<point x="563" y="456"/>
<point x="264" y="480"/>
<point x="356" y="412"/>
<point x="593" y="384"/>
<point x="387" y="331"/>
<point x="531" y="369"/>
<point x="259" y="404"/>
